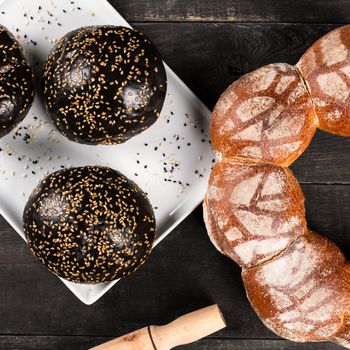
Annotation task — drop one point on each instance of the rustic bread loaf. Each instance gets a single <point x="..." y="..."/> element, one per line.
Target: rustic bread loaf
<point x="297" y="281"/>
<point x="325" y="67"/>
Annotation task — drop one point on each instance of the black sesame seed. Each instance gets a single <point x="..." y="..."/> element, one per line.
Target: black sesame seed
<point x="155" y="148"/>
<point x="189" y="144"/>
<point x="33" y="172"/>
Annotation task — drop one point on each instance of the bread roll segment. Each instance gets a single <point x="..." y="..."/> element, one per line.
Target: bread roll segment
<point x="253" y="210"/>
<point x="326" y="68"/>
<point x="297" y="281"/>
<point x="267" y="115"/>
<point x="301" y="294"/>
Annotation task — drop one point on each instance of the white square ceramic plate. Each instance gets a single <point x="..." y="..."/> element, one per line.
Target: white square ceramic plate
<point x="171" y="161"/>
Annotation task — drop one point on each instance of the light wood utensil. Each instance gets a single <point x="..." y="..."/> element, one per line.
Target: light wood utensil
<point x="184" y="330"/>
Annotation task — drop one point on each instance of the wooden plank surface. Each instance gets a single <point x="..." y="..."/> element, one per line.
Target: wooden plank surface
<point x="184" y="273"/>
<point x="208" y="57"/>
<point x="209" y="44"/>
<point x="83" y="343"/>
<point x="319" y="11"/>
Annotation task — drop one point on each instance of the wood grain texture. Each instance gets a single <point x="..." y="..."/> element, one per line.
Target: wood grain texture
<point x="319" y="11"/>
<point x="183" y="274"/>
<point x="209" y="44"/>
<point x="208" y="57"/>
<point x="83" y="343"/>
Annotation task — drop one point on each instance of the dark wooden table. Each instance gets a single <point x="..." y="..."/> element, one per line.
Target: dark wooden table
<point x="209" y="44"/>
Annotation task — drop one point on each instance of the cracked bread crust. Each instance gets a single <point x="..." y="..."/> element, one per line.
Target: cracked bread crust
<point x="297" y="281"/>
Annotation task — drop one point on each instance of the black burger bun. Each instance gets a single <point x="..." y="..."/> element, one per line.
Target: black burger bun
<point x="16" y="83"/>
<point x="89" y="224"/>
<point x="104" y="84"/>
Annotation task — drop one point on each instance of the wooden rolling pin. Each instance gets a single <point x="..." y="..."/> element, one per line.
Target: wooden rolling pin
<point x="184" y="330"/>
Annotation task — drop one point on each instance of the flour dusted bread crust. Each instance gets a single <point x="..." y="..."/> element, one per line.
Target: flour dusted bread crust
<point x="260" y="214"/>
<point x="266" y="115"/>
<point x="301" y="294"/>
<point x="326" y="68"/>
<point x="297" y="281"/>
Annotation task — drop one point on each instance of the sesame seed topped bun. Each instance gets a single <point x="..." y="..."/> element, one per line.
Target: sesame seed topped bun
<point x="16" y="83"/>
<point x="104" y="84"/>
<point x="89" y="224"/>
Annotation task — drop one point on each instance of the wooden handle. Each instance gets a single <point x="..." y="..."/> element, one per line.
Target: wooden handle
<point x="137" y="340"/>
<point x="186" y="329"/>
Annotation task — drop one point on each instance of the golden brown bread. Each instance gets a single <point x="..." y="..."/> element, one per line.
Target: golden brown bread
<point x="297" y="281"/>
<point x="326" y="68"/>
<point x="253" y="211"/>
<point x="266" y="115"/>
<point x="301" y="294"/>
